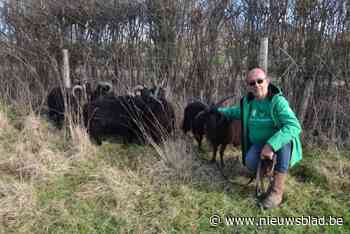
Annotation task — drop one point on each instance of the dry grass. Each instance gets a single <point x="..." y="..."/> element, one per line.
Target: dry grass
<point x="176" y="160"/>
<point x="125" y="187"/>
<point x="336" y="169"/>
<point x="31" y="156"/>
<point x="4" y="122"/>
<point x="18" y="205"/>
<point x="49" y="184"/>
<point x="81" y="145"/>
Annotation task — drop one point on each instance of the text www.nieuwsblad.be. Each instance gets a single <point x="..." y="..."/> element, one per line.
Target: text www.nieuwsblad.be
<point x="216" y="220"/>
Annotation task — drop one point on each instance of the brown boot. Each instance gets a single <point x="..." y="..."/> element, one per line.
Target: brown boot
<point x="274" y="198"/>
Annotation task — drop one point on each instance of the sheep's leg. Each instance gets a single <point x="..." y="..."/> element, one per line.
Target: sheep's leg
<point x="215" y="148"/>
<point x="126" y="139"/>
<point x="222" y="151"/>
<point x="199" y="139"/>
<point x="95" y="136"/>
<point x="59" y="122"/>
<point x="97" y="139"/>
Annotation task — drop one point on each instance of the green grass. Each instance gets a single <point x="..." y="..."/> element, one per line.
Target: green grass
<point x="66" y="212"/>
<point x="129" y="189"/>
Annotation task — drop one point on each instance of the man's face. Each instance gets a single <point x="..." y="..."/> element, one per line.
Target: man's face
<point x="258" y="84"/>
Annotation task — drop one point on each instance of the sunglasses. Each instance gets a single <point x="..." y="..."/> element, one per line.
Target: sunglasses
<point x="258" y="81"/>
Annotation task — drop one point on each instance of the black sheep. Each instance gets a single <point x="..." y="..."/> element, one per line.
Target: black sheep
<point x="110" y="116"/>
<point x="56" y="106"/>
<point x="102" y="89"/>
<point x="189" y="122"/>
<point x="131" y="117"/>
<point x="77" y="96"/>
<point x="218" y="129"/>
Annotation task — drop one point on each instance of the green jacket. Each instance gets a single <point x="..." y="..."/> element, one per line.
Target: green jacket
<point x="283" y="118"/>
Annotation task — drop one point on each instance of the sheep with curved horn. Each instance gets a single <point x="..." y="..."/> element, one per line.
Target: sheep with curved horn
<point x="131" y="117"/>
<point x="102" y="89"/>
<point x="138" y="90"/>
<point x="55" y="99"/>
<point x="56" y="103"/>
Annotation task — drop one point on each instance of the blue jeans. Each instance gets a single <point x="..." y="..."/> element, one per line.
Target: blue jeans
<point x="283" y="157"/>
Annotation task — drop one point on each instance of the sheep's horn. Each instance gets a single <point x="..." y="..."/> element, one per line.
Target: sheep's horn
<point x="219" y="103"/>
<point x="156" y="92"/>
<point x="75" y="88"/>
<point x="203" y="112"/>
<point x="106" y="84"/>
<point x="156" y="99"/>
<point x="163" y="83"/>
<point x="138" y="88"/>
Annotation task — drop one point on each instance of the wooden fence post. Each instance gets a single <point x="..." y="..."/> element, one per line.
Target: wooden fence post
<point x="263" y="53"/>
<point x="67" y="85"/>
<point x="65" y="70"/>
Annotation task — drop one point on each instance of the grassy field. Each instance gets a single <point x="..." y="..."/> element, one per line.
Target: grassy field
<point x="49" y="184"/>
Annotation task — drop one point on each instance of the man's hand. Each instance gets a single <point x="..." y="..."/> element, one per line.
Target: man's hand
<point x="266" y="152"/>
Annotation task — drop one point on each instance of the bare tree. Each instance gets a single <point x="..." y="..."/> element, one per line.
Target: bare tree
<point x="198" y="48"/>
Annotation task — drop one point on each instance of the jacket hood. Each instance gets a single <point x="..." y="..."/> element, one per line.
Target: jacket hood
<point x="272" y="91"/>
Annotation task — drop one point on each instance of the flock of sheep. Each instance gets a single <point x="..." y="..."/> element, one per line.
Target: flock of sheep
<point x="143" y="115"/>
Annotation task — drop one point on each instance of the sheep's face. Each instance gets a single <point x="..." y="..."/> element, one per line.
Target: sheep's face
<point x="209" y="118"/>
<point x="215" y="118"/>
